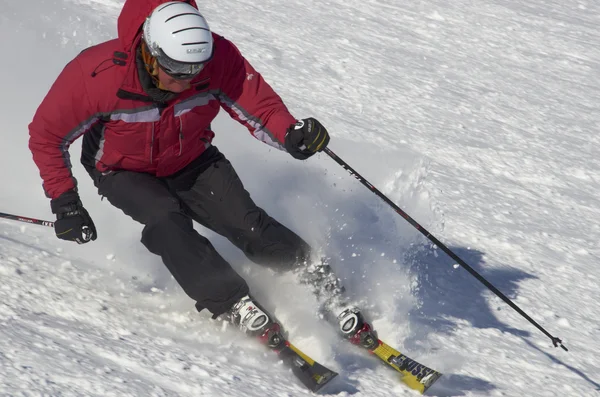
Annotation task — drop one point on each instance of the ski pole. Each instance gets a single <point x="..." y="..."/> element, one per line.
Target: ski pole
<point x="555" y="341"/>
<point x="26" y="220"/>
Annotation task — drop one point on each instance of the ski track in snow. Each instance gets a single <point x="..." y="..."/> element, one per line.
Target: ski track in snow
<point x="478" y="118"/>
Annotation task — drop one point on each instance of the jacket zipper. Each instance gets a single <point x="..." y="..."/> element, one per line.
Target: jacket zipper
<point x="152" y="144"/>
<point x="180" y="136"/>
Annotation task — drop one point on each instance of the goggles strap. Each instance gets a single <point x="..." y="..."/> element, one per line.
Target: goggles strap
<point x="151" y="65"/>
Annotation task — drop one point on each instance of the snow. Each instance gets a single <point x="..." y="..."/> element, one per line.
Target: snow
<point x="478" y="118"/>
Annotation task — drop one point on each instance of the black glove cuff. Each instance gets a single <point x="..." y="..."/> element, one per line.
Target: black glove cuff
<point x="66" y="202"/>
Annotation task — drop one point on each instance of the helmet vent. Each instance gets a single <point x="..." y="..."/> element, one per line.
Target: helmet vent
<point x="195" y="27"/>
<point x="180" y="15"/>
<point x="166" y="5"/>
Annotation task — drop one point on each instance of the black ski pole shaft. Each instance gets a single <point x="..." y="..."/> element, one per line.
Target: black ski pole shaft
<point x="26" y="219"/>
<point x="555" y="341"/>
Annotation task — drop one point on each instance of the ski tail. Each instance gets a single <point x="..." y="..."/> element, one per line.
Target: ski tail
<point x="312" y="374"/>
<point x="414" y="374"/>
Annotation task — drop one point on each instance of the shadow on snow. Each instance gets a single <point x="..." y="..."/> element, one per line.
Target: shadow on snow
<point x="446" y="293"/>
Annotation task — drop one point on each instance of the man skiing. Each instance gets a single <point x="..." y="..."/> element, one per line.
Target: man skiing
<point x="144" y="104"/>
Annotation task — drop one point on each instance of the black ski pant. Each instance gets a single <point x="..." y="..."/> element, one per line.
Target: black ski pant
<point x="210" y="192"/>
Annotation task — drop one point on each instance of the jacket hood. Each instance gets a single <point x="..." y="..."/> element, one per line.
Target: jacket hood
<point x="132" y="17"/>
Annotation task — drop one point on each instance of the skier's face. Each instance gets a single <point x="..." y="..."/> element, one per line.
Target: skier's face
<point x="172" y="84"/>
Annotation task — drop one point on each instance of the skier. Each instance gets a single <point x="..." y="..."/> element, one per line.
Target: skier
<point x="144" y="104"/>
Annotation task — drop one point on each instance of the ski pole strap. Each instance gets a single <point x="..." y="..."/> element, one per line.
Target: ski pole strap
<point x="555" y="341"/>
<point x="26" y="219"/>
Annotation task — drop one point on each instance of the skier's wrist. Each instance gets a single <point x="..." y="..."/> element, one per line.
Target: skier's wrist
<point x="66" y="202"/>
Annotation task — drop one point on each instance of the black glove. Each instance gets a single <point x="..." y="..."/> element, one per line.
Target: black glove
<point x="73" y="223"/>
<point x="305" y="138"/>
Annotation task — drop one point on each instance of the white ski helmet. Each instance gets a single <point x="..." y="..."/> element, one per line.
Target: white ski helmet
<point x="178" y="36"/>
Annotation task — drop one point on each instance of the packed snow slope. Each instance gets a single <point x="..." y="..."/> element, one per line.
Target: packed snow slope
<point x="478" y="118"/>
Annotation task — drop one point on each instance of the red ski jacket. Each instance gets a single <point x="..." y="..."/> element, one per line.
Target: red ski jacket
<point x="99" y="94"/>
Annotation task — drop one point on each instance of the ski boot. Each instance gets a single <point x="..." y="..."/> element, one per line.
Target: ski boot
<point x="330" y="293"/>
<point x="251" y="319"/>
<point x="356" y="330"/>
<point x="254" y="321"/>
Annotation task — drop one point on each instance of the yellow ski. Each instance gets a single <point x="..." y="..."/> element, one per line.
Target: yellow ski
<point x="415" y="375"/>
<point x="312" y="374"/>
